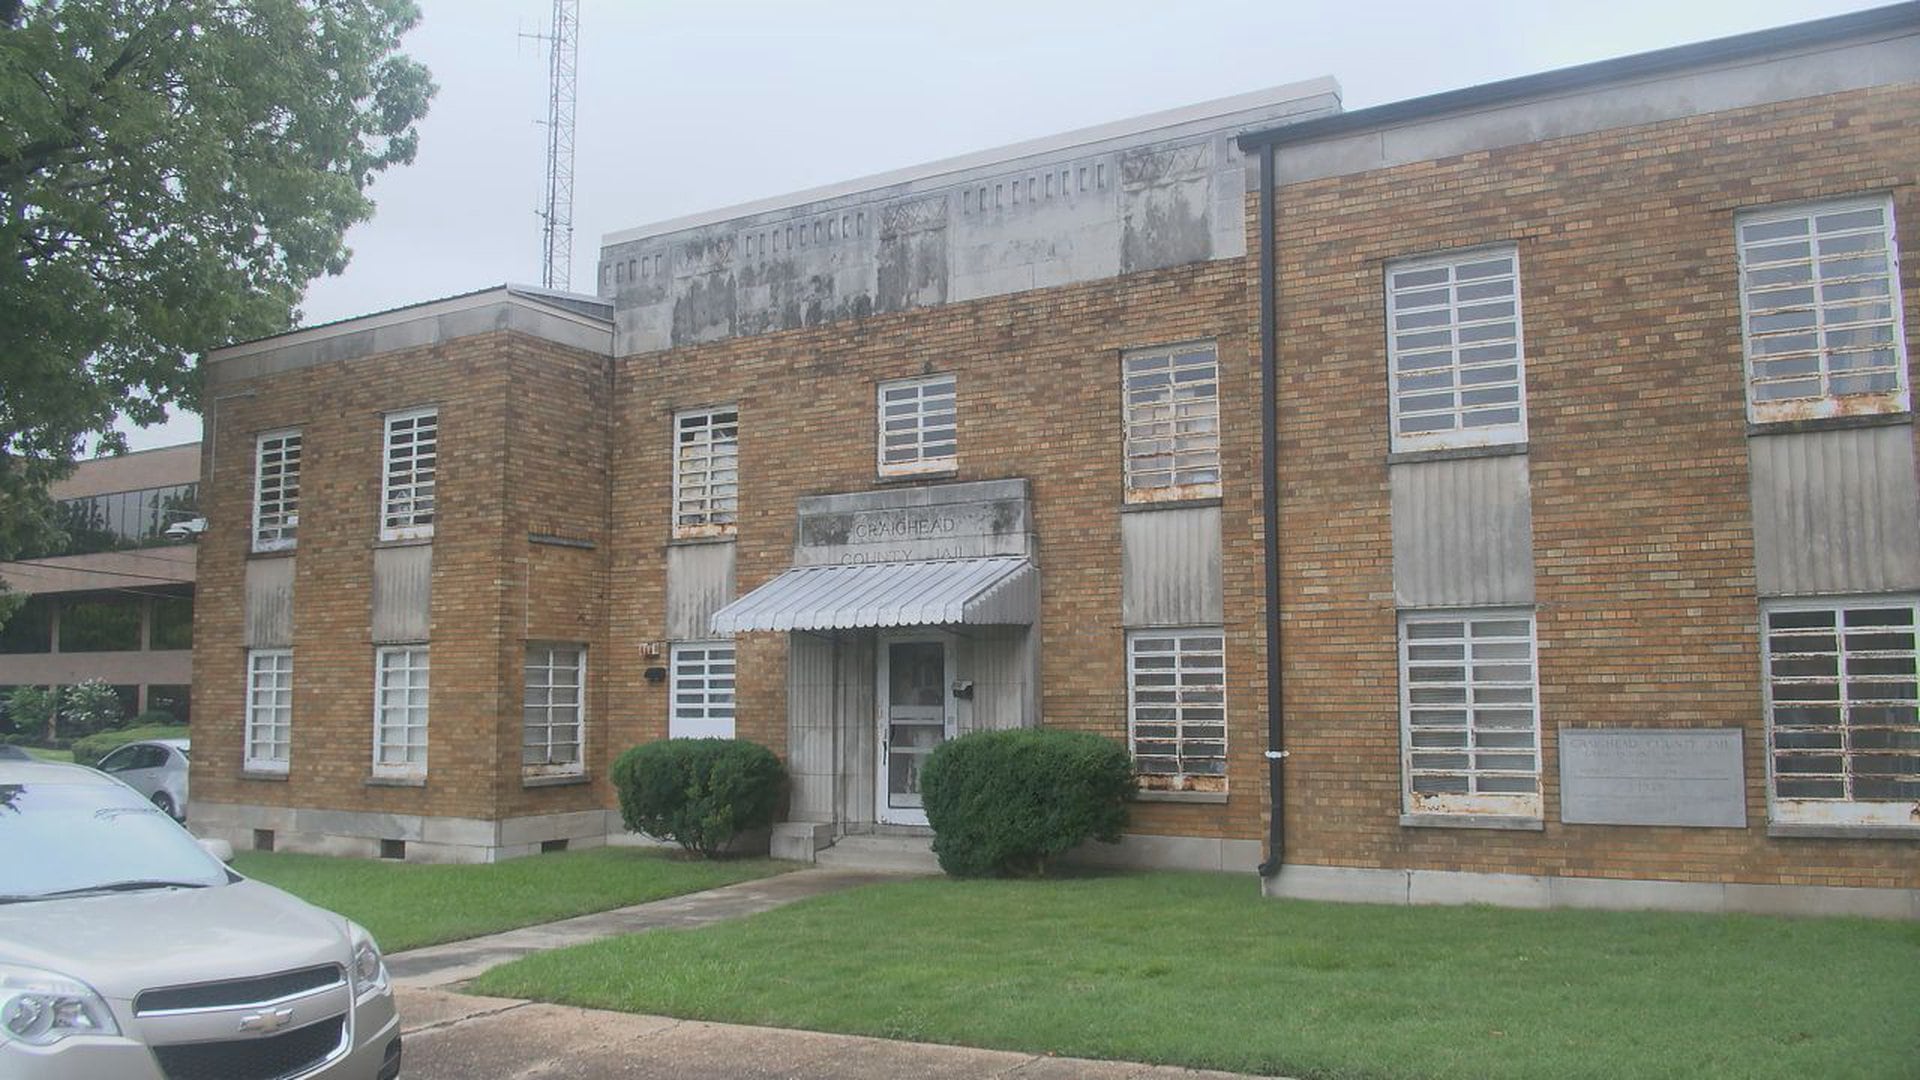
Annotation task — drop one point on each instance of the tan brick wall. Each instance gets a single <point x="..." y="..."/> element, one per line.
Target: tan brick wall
<point x="1641" y="519"/>
<point x="1039" y="397"/>
<point x="483" y="599"/>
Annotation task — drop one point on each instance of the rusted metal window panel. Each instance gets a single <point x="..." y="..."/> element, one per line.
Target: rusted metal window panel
<point x="706" y="472"/>
<point x="1470" y="716"/>
<point x="400" y="712"/>
<point x="1177" y="708"/>
<point x="1822" y="321"/>
<point x="269" y="737"/>
<point x="918" y="421"/>
<point x="554" y="710"/>
<point x="703" y="674"/>
<point x="276" y="490"/>
<point x="1454" y="350"/>
<point x="1173" y="423"/>
<point x="407" y="484"/>
<point x="1843" y="704"/>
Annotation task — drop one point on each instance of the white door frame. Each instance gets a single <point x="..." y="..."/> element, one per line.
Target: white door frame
<point x="882" y="812"/>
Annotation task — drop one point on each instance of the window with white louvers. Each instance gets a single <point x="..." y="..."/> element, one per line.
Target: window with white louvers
<point x="918" y="425"/>
<point x="553" y="711"/>
<point x="1454" y="349"/>
<point x="1820" y="295"/>
<point x="407" y="485"/>
<point x="1843" y="711"/>
<point x="1177" y="708"/>
<point x="1470" y="718"/>
<point x="702" y="690"/>
<point x="400" y="712"/>
<point x="706" y="472"/>
<point x="1173" y="422"/>
<point x="276" y="490"/>
<point x="269" y="736"/>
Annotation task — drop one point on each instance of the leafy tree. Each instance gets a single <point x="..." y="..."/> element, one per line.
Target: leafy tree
<point x="90" y="707"/>
<point x="35" y="710"/>
<point x="173" y="173"/>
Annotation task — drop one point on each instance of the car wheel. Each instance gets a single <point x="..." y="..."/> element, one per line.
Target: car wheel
<point x="165" y="802"/>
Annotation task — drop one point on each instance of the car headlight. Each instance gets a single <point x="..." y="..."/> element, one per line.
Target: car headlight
<point x="369" y="970"/>
<point x="40" y="1008"/>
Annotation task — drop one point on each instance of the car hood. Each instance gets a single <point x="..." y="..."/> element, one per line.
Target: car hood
<point x="123" y="943"/>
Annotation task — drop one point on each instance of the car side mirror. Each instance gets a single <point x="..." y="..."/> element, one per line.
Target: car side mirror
<point x="219" y="849"/>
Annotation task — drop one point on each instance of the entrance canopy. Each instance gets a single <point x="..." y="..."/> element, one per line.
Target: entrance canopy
<point x="1002" y="590"/>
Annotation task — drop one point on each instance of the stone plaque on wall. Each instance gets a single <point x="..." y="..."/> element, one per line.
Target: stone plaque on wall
<point x="942" y="521"/>
<point x="1652" y="776"/>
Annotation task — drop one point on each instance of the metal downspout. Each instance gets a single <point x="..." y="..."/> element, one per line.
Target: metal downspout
<point x="1270" y="516"/>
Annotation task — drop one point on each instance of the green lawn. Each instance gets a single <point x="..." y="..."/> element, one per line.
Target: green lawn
<point x="45" y="754"/>
<point x="407" y="905"/>
<point x="1198" y="970"/>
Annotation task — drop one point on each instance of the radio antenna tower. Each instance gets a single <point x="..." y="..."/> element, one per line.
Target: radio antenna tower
<point x="556" y="233"/>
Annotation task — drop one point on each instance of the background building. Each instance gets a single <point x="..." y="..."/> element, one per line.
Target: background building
<point x="115" y="601"/>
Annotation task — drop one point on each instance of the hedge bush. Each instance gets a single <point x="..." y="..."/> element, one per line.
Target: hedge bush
<point x="699" y="793"/>
<point x="90" y="750"/>
<point x="1010" y="802"/>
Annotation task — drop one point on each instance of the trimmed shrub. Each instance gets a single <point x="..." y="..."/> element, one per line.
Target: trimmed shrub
<point x="90" y="750"/>
<point x="699" y="793"/>
<point x="1010" y="802"/>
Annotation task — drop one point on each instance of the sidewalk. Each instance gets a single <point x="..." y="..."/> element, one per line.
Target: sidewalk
<point x="454" y="1036"/>
<point x="458" y="1037"/>
<point x="458" y="961"/>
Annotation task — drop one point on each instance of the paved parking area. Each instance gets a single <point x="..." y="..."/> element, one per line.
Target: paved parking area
<point x="453" y="1036"/>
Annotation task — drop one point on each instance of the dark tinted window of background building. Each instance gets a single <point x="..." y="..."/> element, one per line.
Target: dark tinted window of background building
<point x="172" y="623"/>
<point x="100" y="625"/>
<point x="29" y="629"/>
<point x="170" y="699"/>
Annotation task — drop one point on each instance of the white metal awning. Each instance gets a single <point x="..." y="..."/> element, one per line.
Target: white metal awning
<point x="1002" y="591"/>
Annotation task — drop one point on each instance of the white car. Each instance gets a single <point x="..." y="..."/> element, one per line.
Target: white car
<point x="156" y="768"/>
<point x="129" y="950"/>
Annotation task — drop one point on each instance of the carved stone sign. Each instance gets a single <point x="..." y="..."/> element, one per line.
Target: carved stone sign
<point x="946" y="521"/>
<point x="1652" y="776"/>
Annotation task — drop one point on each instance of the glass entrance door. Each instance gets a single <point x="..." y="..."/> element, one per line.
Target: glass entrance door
<point x="916" y="715"/>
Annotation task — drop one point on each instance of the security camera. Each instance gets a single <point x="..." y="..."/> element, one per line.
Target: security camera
<point x="189" y="529"/>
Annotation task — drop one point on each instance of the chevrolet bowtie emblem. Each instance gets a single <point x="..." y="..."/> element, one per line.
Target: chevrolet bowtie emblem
<point x="264" y="1022"/>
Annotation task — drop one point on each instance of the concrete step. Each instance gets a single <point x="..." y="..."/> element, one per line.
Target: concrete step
<point x="892" y="854"/>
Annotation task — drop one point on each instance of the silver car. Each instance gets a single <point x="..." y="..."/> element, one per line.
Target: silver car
<point x="128" y="950"/>
<point x="156" y="768"/>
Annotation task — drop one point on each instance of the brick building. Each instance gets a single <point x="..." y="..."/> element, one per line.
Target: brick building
<point x="1586" y="595"/>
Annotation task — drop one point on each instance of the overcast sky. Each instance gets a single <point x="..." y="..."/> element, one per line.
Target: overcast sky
<point x="688" y="106"/>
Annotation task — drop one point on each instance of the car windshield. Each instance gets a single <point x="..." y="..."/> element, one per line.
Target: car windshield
<point x="69" y="839"/>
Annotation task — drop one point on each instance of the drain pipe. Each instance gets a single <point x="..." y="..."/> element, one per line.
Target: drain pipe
<point x="1270" y="517"/>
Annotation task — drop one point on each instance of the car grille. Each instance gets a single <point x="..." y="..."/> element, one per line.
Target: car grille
<point x="272" y="1058"/>
<point x="235" y="992"/>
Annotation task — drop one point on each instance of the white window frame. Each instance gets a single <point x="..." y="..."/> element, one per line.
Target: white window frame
<point x="1476" y="801"/>
<point x="276" y="512"/>
<point x="1848" y="810"/>
<point x="413" y="660"/>
<point x="269" y="713"/>
<point x="407" y="502"/>
<point x="1192" y="704"/>
<point x="1166" y="438"/>
<point x="709" y="505"/>
<point x="542" y="713"/>
<point x="917" y="402"/>
<point x="1828" y="403"/>
<point x="701" y="701"/>
<point x="1458" y="434"/>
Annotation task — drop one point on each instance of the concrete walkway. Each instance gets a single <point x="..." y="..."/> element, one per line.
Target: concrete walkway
<point x="454" y="1036"/>
<point x="460" y="1037"/>
<point x="458" y="961"/>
